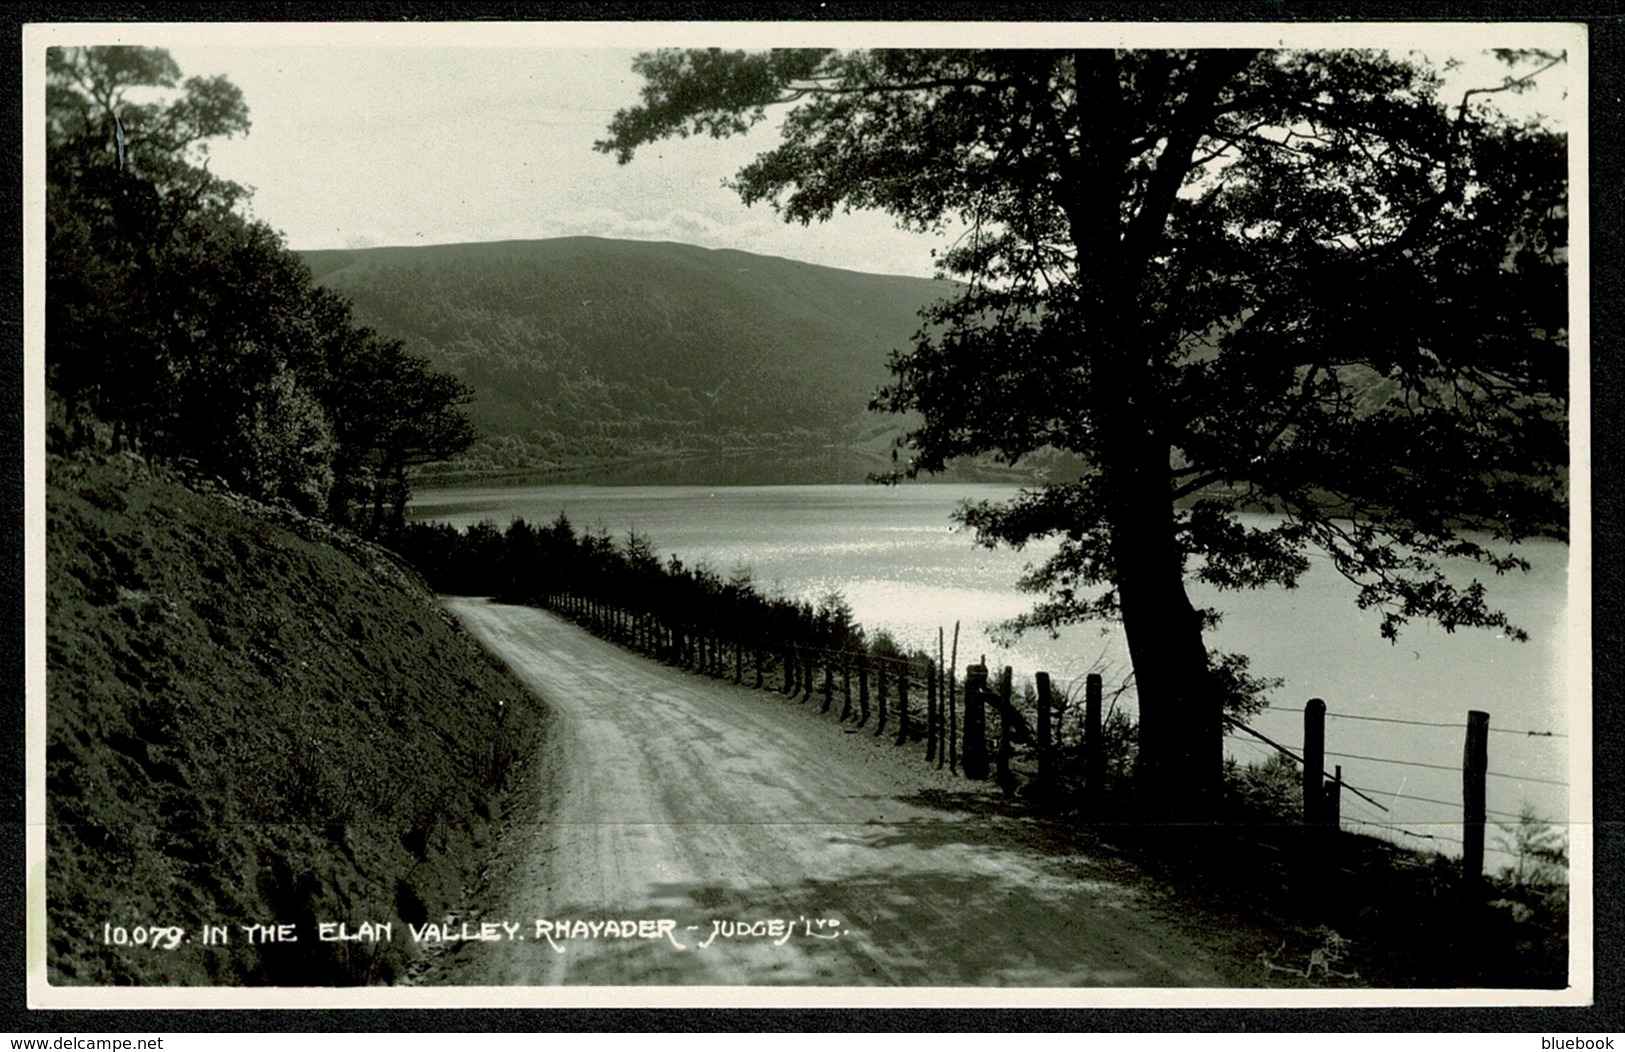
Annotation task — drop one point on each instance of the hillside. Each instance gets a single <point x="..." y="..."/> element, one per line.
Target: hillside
<point x="252" y="719"/>
<point x="585" y="351"/>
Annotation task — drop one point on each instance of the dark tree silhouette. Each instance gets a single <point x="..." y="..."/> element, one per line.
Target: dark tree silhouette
<point x="1294" y="283"/>
<point x="193" y="333"/>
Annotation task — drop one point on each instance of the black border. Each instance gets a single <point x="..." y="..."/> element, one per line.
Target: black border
<point x="1607" y="144"/>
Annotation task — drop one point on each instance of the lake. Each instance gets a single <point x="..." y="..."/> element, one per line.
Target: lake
<point x="901" y="564"/>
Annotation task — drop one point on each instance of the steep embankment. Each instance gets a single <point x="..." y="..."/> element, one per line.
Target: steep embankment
<point x="585" y="350"/>
<point x="253" y="720"/>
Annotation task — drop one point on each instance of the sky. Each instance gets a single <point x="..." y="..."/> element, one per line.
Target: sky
<point x="413" y="135"/>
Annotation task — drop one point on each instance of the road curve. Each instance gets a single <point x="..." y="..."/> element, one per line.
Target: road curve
<point x="666" y="796"/>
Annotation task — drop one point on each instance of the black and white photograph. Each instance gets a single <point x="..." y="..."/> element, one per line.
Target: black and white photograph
<point x="805" y="514"/>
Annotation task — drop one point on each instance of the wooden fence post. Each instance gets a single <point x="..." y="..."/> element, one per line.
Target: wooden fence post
<point x="1044" y="772"/>
<point x="863" y="688"/>
<point x="1094" y="745"/>
<point x="975" y="750"/>
<point x="1475" y="763"/>
<point x="1314" y="761"/>
<point x="953" y="709"/>
<point x="880" y="697"/>
<point x="930" y="712"/>
<point x="902" y="703"/>
<point x="1005" y="780"/>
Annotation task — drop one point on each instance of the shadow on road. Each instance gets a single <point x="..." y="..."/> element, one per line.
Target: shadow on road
<point x="922" y="927"/>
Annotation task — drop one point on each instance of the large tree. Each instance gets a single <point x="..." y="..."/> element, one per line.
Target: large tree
<point x="126" y="183"/>
<point x="1302" y="284"/>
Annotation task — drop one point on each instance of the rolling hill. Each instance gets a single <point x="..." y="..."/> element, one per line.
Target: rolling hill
<point x="627" y="355"/>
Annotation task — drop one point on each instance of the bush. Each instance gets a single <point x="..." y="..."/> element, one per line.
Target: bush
<point x="1270" y="792"/>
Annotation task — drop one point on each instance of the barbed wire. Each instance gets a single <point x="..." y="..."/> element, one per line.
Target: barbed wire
<point x="1433" y="766"/>
<point x="1375" y="822"/>
<point x="1422" y="723"/>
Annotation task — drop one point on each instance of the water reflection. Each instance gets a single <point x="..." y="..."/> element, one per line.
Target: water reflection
<point x="895" y="556"/>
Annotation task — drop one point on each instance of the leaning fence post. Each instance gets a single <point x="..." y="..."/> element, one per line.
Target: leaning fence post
<point x="1475" y="763"/>
<point x="1314" y="760"/>
<point x="1094" y="746"/>
<point x="974" y="754"/>
<point x="1042" y="679"/>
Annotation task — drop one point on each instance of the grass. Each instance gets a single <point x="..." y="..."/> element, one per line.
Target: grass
<point x="253" y="719"/>
<point x="1345" y="908"/>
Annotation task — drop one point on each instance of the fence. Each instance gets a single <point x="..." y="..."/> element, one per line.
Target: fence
<point x="972" y="728"/>
<point x="1324" y="792"/>
<point x="883" y="691"/>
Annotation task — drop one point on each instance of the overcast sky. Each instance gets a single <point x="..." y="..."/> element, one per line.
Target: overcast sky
<point x="401" y="135"/>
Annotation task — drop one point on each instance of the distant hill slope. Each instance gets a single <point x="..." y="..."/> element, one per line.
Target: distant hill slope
<point x="590" y="351"/>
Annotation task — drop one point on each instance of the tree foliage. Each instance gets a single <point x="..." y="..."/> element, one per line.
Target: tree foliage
<point x="527" y="563"/>
<point x="1301" y="284"/>
<point x="192" y="332"/>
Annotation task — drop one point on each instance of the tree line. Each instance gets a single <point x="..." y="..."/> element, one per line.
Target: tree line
<point x="528" y="564"/>
<point x="695" y="618"/>
<point x="180" y="329"/>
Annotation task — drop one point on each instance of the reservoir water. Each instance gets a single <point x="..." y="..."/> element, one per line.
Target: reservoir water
<point x="902" y="565"/>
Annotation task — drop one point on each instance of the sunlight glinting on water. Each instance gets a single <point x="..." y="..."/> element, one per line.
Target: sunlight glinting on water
<point x="898" y="561"/>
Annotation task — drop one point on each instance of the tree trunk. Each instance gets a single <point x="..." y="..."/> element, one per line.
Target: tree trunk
<point x="1181" y="757"/>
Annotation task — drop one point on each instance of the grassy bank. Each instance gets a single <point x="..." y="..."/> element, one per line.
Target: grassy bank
<point x="253" y="719"/>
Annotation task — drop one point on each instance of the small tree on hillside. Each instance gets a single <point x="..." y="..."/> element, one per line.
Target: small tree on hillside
<point x="392" y="413"/>
<point x="1295" y="283"/>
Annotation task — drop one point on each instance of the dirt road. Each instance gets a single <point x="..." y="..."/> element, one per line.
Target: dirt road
<point x="668" y="797"/>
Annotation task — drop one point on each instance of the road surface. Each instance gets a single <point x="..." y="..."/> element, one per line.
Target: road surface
<point x="695" y="814"/>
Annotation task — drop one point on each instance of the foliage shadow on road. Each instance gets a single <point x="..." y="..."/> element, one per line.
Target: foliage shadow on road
<point x="901" y="927"/>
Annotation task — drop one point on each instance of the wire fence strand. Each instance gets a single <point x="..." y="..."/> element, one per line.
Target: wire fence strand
<point x="1422" y="723"/>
